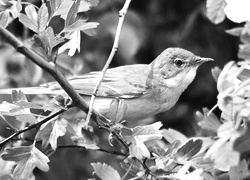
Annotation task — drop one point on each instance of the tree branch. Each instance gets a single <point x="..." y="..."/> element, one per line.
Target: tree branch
<point x="37" y="125"/>
<point x="50" y="68"/>
<point x="122" y="14"/>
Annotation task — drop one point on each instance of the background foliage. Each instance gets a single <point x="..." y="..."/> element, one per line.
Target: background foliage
<point x="150" y="27"/>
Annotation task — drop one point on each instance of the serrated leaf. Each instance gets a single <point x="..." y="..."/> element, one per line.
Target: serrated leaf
<point x="215" y="10"/>
<point x="60" y="7"/>
<point x="73" y="44"/>
<point x="21" y="114"/>
<point x="85" y="5"/>
<point x="189" y="149"/>
<point x="27" y="158"/>
<point x="172" y="135"/>
<point x="32" y="14"/>
<point x="4" y="18"/>
<point x="148" y="132"/>
<point x="15" y="8"/>
<point x="72" y="13"/>
<point x="208" y="121"/>
<point x="235" y="31"/>
<point x="117" y="110"/>
<point x="138" y="149"/>
<point x="43" y="16"/>
<point x="25" y="167"/>
<point x="50" y="133"/>
<point x="138" y="135"/>
<point x="27" y="22"/>
<point x="223" y="155"/>
<point x="18" y="96"/>
<point x="105" y="172"/>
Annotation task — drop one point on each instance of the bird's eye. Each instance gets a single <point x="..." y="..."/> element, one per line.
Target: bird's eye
<point x="179" y="62"/>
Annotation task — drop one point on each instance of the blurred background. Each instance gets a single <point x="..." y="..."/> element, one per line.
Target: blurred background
<point x="150" y="27"/>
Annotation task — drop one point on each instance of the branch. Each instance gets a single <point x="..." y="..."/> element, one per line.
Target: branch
<point x="122" y="14"/>
<point x="37" y="125"/>
<point x="50" y="68"/>
<point x="76" y="98"/>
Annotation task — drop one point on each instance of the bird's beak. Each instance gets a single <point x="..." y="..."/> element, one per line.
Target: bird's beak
<point x="201" y="60"/>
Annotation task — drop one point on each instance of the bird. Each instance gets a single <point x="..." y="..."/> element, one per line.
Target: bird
<point x="147" y="89"/>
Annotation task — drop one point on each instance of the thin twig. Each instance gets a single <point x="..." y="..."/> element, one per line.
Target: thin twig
<point x="128" y="170"/>
<point x="122" y="14"/>
<point x="37" y="125"/>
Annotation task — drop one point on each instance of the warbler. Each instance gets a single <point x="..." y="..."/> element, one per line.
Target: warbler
<point x="147" y="89"/>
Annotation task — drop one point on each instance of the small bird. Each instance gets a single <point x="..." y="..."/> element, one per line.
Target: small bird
<point x="147" y="89"/>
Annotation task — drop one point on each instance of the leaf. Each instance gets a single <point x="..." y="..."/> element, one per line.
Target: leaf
<point x="235" y="31"/>
<point x="72" y="13"/>
<point x="244" y="75"/>
<point x="244" y="51"/>
<point x="172" y="135"/>
<point x="81" y="136"/>
<point x="241" y="144"/>
<point x="14" y="7"/>
<point x="208" y="121"/>
<point x="27" y="22"/>
<point x="148" y="132"/>
<point x="40" y="44"/>
<point x="223" y="155"/>
<point x="87" y="4"/>
<point x="4" y="18"/>
<point x="27" y="158"/>
<point x="22" y="114"/>
<point x="189" y="149"/>
<point x="60" y="7"/>
<point x="215" y="10"/>
<point x="30" y="20"/>
<point x="139" y="135"/>
<point x="117" y="110"/>
<point x="73" y="44"/>
<point x="43" y="17"/>
<point x="245" y="33"/>
<point x="81" y="26"/>
<point x="17" y="96"/>
<point x="240" y="171"/>
<point x="216" y="72"/>
<point x="50" y="133"/>
<point x="87" y="139"/>
<point x="138" y="149"/>
<point x="105" y="172"/>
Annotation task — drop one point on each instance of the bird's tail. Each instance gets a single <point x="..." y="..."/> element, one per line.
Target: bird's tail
<point x="33" y="90"/>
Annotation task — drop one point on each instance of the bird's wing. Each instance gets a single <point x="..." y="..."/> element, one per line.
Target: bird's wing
<point x="124" y="82"/>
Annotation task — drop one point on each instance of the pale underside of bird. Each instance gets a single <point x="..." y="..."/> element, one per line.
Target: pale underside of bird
<point x="146" y="89"/>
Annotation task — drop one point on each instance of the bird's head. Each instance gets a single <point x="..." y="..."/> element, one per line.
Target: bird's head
<point x="177" y="66"/>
